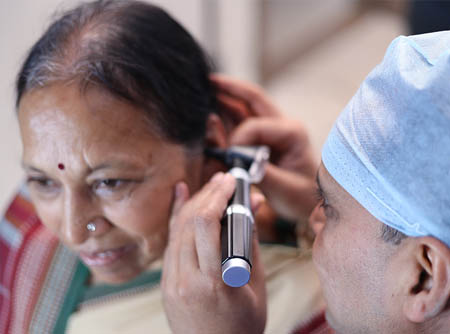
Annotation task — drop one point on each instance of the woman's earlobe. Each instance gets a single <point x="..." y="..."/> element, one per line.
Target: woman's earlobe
<point x="429" y="294"/>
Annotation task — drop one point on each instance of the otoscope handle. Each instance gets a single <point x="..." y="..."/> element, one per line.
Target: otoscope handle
<point x="236" y="233"/>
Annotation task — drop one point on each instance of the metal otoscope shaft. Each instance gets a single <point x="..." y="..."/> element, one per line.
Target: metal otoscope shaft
<point x="247" y="166"/>
<point x="236" y="233"/>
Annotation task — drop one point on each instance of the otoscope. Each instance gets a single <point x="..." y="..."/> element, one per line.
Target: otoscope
<point x="247" y="165"/>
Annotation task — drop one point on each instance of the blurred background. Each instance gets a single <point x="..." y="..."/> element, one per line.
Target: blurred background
<point x="311" y="55"/>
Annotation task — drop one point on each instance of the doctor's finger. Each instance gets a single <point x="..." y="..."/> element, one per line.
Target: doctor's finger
<point x="280" y="134"/>
<point x="171" y="254"/>
<point x="207" y="227"/>
<point x="258" y="102"/>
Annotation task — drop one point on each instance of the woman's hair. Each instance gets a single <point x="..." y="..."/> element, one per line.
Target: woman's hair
<point x="136" y="52"/>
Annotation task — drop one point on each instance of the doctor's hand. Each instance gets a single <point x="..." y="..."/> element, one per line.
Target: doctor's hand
<point x="195" y="298"/>
<point x="289" y="183"/>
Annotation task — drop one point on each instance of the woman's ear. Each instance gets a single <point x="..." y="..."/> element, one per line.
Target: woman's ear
<point x="218" y="129"/>
<point x="216" y="137"/>
<point x="429" y="287"/>
<point x="216" y="132"/>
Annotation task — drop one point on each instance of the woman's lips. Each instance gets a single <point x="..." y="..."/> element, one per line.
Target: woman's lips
<point x="106" y="257"/>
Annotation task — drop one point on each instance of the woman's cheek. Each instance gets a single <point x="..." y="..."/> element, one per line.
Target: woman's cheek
<point x="156" y="243"/>
<point x="147" y="219"/>
<point x="48" y="216"/>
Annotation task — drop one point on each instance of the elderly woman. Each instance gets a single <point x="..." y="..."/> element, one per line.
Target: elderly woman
<point x="116" y="105"/>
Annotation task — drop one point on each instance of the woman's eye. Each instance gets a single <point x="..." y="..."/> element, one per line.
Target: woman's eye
<point x="109" y="184"/>
<point x="41" y="184"/>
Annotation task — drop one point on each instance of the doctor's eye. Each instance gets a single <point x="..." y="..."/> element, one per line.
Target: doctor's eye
<point x="328" y="210"/>
<point x="321" y="199"/>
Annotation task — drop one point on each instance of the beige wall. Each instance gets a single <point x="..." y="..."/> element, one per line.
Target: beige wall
<point x="226" y="29"/>
<point x="312" y="88"/>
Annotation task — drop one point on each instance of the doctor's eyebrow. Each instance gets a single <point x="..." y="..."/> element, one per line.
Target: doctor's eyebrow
<point x="330" y="210"/>
<point x="320" y="192"/>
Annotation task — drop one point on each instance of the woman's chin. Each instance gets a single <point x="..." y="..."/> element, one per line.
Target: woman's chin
<point x="113" y="278"/>
<point x="116" y="268"/>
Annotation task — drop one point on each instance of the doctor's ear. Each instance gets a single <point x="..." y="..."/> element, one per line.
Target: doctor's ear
<point x="429" y="291"/>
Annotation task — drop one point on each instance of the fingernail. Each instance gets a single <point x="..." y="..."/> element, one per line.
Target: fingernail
<point x="217" y="177"/>
<point x="178" y="189"/>
<point x="228" y="176"/>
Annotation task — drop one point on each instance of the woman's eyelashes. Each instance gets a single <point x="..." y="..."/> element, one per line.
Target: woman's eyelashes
<point x="109" y="184"/>
<point x="42" y="184"/>
<point x="46" y="186"/>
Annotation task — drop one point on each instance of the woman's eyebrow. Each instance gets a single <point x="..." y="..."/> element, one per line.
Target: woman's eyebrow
<point x="30" y="168"/>
<point x="117" y="164"/>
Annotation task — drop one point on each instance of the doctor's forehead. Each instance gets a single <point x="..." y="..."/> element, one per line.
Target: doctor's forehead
<point x="347" y="206"/>
<point x="332" y="191"/>
<point x="325" y="181"/>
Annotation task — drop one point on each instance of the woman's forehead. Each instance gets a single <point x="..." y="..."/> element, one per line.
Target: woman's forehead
<point x="91" y="109"/>
<point x="72" y="123"/>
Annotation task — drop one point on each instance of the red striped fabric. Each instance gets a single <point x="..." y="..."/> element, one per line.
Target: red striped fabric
<point x="316" y="325"/>
<point x="26" y="250"/>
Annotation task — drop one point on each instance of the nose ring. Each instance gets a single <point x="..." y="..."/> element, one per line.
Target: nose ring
<point x="91" y="227"/>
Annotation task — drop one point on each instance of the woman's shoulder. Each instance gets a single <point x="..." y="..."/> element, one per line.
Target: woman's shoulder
<point x="35" y="272"/>
<point x="293" y="289"/>
<point x="22" y="236"/>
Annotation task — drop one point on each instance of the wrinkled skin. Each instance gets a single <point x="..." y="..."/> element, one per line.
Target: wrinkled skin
<point x="117" y="172"/>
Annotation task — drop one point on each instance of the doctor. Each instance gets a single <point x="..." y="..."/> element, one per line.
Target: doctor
<point x="382" y="246"/>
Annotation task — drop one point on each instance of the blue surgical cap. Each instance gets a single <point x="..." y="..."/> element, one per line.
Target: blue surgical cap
<point x="390" y="147"/>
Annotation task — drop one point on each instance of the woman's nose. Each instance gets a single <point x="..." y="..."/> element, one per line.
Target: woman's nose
<point x="82" y="219"/>
<point x="98" y="226"/>
<point x="317" y="219"/>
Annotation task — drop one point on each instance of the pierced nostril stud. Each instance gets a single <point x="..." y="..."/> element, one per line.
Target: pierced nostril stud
<point x="91" y="227"/>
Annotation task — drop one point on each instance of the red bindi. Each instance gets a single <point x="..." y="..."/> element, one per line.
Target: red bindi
<point x="61" y="166"/>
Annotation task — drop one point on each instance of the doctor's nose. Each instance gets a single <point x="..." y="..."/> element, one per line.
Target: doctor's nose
<point x="317" y="219"/>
